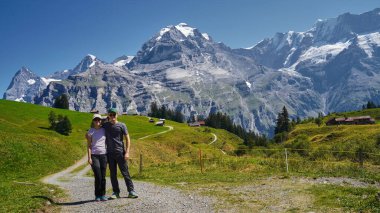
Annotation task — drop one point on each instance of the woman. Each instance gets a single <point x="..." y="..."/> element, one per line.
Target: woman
<point x="97" y="158"/>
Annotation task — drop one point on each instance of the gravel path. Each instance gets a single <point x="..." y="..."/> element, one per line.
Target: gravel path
<point x="170" y="129"/>
<point x="152" y="198"/>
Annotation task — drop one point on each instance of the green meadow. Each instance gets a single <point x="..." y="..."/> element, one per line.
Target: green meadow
<point x="30" y="150"/>
<point x="184" y="158"/>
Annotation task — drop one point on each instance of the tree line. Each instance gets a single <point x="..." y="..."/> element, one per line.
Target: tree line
<point x="163" y="112"/>
<point x="223" y="121"/>
<point x="370" y="105"/>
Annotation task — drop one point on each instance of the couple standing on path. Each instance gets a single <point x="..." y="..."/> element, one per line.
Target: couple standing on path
<point x="105" y="144"/>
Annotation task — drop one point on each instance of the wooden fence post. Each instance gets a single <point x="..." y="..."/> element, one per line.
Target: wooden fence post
<point x="286" y="160"/>
<point x="141" y="164"/>
<point x="200" y="159"/>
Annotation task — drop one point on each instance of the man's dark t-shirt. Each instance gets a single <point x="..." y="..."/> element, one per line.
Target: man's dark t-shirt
<point x="114" y="136"/>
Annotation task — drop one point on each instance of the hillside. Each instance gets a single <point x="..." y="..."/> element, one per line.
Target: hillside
<point x="349" y="136"/>
<point x="31" y="151"/>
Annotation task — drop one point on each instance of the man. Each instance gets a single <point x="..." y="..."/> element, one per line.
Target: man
<point x="118" y="153"/>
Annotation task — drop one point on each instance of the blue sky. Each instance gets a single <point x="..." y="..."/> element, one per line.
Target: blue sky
<point x="47" y="36"/>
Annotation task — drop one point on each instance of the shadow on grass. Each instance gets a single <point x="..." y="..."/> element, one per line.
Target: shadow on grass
<point x="46" y="128"/>
<point x="64" y="203"/>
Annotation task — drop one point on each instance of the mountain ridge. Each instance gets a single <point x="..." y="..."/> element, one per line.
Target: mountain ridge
<point x="184" y="69"/>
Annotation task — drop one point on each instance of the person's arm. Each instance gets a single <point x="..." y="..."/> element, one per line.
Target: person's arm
<point x="127" y="146"/>
<point x="88" y="137"/>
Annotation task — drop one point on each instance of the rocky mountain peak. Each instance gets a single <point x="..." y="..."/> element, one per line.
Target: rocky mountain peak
<point x="176" y="44"/>
<point x="24" y="86"/>
<point x="180" y="32"/>
<point x="87" y="62"/>
<point x="346" y="26"/>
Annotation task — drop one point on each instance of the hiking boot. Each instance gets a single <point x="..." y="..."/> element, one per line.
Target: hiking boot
<point x="97" y="199"/>
<point x="103" y="198"/>
<point x="114" y="196"/>
<point x="132" y="194"/>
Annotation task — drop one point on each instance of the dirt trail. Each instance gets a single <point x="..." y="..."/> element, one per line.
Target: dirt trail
<point x="152" y="198"/>
<point x="170" y="129"/>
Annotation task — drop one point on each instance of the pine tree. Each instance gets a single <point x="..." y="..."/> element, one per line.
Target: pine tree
<point x="61" y="102"/>
<point x="371" y="105"/>
<point x="319" y="120"/>
<point x="64" y="126"/>
<point x="163" y="112"/>
<point x="57" y="102"/>
<point x="282" y="124"/>
<point x="178" y="116"/>
<point x="153" y="110"/>
<point x="64" y="101"/>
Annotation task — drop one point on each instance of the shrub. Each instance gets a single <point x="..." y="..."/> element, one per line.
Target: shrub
<point x="52" y="119"/>
<point x="60" y="123"/>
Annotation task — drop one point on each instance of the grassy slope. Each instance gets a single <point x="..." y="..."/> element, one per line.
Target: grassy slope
<point x="345" y="139"/>
<point x="31" y="151"/>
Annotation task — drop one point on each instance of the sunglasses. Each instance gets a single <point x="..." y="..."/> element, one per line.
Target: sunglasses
<point x="96" y="119"/>
<point x="112" y="114"/>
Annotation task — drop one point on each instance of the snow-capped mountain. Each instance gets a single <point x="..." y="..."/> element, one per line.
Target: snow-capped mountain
<point x="186" y="70"/>
<point x="340" y="56"/>
<point x="334" y="66"/>
<point x="24" y="86"/>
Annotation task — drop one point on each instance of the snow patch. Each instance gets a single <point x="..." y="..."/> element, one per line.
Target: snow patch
<point x="368" y="41"/>
<point x="206" y="36"/>
<point x="249" y="48"/>
<point x="20" y="99"/>
<point x="92" y="56"/>
<point x="124" y="61"/>
<point x="31" y="81"/>
<point x="162" y="32"/>
<point x="290" y="55"/>
<point x="92" y="64"/>
<point x="65" y="71"/>
<point x="185" y="29"/>
<point x="321" y="54"/>
<point x="248" y="84"/>
<point x="48" y="80"/>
